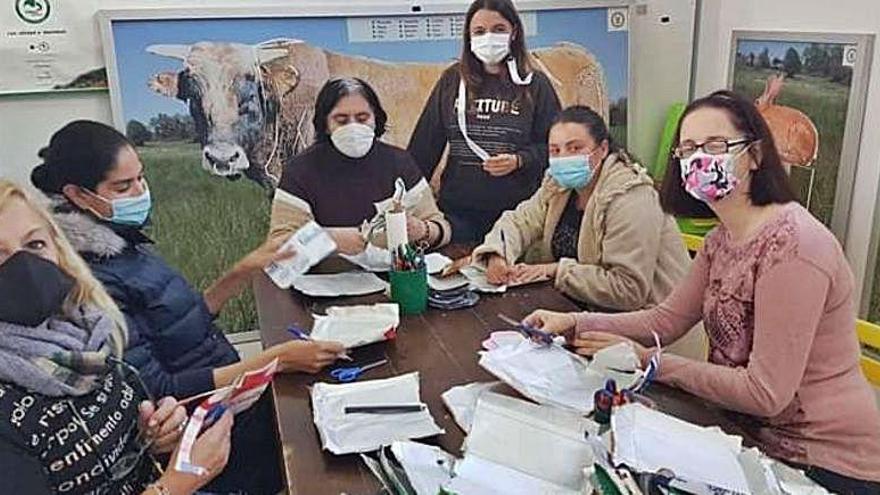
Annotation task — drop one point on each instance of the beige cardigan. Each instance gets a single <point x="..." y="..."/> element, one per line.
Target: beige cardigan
<point x="630" y="254"/>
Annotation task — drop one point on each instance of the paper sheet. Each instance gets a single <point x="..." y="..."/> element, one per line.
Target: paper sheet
<point x="339" y="284"/>
<point x="648" y="440"/>
<point x="355" y="326"/>
<point x="343" y="433"/>
<point x="447" y="283"/>
<point x="436" y="262"/>
<point x="428" y="468"/>
<point x="371" y="259"/>
<point x="462" y="401"/>
<point x="546" y="374"/>
<point x="477" y="278"/>
<point x="518" y="447"/>
<point x="312" y="244"/>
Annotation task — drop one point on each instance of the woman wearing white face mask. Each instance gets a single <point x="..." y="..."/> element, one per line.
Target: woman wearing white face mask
<point x="775" y="294"/>
<point x="497" y="137"/>
<point x="337" y="181"/>
<point x="595" y="227"/>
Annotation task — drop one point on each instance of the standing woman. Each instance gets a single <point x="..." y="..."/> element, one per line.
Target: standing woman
<point x="498" y="139"/>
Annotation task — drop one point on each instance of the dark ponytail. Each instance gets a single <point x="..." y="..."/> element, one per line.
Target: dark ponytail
<point x="592" y="121"/>
<point x="81" y="153"/>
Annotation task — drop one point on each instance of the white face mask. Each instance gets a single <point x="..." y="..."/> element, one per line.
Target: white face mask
<point x="491" y="48"/>
<point x="353" y="140"/>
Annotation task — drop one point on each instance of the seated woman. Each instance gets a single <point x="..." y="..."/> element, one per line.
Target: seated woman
<point x="337" y="181"/>
<point x="101" y="201"/>
<point x="775" y="292"/>
<point x="595" y="226"/>
<point x="76" y="420"/>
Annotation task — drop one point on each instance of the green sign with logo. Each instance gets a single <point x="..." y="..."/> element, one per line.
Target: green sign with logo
<point x="32" y="11"/>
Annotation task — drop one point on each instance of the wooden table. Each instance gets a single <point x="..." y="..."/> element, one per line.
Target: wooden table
<point x="440" y="345"/>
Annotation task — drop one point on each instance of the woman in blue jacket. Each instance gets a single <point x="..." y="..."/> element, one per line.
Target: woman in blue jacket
<point x="101" y="200"/>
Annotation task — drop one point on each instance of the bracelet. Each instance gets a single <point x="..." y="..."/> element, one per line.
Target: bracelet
<point x="159" y="488"/>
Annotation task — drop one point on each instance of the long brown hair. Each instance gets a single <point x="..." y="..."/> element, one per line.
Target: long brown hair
<point x="769" y="183"/>
<point x="472" y="71"/>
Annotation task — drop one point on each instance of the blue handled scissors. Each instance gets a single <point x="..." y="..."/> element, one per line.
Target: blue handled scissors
<point x="346" y="375"/>
<point x="530" y="332"/>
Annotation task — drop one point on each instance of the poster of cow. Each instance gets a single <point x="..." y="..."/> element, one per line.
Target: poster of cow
<point x="216" y="104"/>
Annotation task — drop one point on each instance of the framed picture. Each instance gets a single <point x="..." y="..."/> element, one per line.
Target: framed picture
<point x="811" y="89"/>
<point x="277" y="59"/>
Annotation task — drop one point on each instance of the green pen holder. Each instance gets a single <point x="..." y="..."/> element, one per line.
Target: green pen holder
<point x="409" y="290"/>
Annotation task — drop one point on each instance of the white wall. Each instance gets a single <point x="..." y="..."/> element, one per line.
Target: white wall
<point x="720" y="17"/>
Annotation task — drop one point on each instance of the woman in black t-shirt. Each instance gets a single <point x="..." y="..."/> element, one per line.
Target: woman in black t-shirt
<point x="73" y="416"/>
<point x="498" y="141"/>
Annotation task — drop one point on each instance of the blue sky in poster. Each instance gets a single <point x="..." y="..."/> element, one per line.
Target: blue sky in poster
<point x="776" y="49"/>
<point x="135" y="66"/>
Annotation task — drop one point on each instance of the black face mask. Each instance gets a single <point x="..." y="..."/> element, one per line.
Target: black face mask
<point x="31" y="289"/>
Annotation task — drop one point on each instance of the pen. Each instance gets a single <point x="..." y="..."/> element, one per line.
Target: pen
<point x="504" y="245"/>
<point x="385" y="409"/>
<point x="298" y="334"/>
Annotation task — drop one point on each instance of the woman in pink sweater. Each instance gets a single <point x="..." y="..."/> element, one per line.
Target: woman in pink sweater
<point x="775" y="294"/>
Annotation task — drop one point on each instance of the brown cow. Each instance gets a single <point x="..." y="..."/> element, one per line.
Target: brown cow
<point x="253" y="105"/>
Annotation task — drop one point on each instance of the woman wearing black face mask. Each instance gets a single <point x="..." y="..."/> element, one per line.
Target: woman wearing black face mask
<point x="66" y="402"/>
<point x="101" y="200"/>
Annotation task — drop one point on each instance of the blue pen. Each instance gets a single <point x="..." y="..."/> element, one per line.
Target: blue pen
<point x="299" y="334"/>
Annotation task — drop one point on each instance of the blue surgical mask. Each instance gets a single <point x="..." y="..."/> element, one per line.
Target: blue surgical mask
<point x="130" y="211"/>
<point x="571" y="172"/>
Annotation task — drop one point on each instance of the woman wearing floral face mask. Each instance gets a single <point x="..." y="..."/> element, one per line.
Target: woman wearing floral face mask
<point x="101" y="201"/>
<point x="594" y="228"/>
<point x="776" y="296"/>
<point x="338" y="180"/>
<point x="497" y="137"/>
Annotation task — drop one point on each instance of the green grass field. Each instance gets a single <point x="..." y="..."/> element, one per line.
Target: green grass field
<point x="203" y="224"/>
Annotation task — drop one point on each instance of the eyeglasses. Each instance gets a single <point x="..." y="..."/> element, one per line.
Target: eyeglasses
<point x="715" y="146"/>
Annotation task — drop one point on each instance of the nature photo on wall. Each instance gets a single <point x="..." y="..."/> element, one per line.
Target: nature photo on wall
<point x="803" y="88"/>
<point x="218" y="102"/>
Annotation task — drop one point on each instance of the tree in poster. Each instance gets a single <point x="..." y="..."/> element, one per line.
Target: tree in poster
<point x="792" y="63"/>
<point x="137" y="132"/>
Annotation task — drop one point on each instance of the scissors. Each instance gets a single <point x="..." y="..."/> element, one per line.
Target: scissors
<point x="346" y="375"/>
<point x="530" y="332"/>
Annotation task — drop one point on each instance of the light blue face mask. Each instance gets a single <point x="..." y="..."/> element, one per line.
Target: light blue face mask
<point x="571" y="172"/>
<point x="131" y="211"/>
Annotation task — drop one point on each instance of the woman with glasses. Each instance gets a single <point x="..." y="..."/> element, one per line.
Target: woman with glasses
<point x="776" y="296"/>
<point x="73" y="418"/>
<point x="595" y="227"/>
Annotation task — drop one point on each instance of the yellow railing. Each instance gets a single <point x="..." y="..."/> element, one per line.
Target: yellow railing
<point x="869" y="338"/>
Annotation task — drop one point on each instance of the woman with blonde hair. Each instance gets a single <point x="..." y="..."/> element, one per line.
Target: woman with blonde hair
<point x="75" y="417"/>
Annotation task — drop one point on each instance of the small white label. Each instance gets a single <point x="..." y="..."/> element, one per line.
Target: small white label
<point x="418" y="27"/>
<point x="618" y="19"/>
<point x="850" y="54"/>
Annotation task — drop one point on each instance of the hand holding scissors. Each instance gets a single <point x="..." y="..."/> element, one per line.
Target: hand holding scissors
<point x="346" y="375"/>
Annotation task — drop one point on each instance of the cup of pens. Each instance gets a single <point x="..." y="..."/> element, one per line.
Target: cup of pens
<point x="409" y="280"/>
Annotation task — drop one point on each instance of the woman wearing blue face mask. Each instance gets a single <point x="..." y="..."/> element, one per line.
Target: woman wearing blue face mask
<point x="101" y="201"/>
<point x="595" y="227"/>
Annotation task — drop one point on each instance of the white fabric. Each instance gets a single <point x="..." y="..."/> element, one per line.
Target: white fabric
<point x="311" y="244"/>
<point x="354" y="326"/>
<point x="647" y="441"/>
<point x="343" y="433"/>
<point x="339" y="284"/>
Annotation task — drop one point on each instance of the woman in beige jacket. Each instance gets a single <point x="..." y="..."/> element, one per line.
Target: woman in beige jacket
<point x="595" y="226"/>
